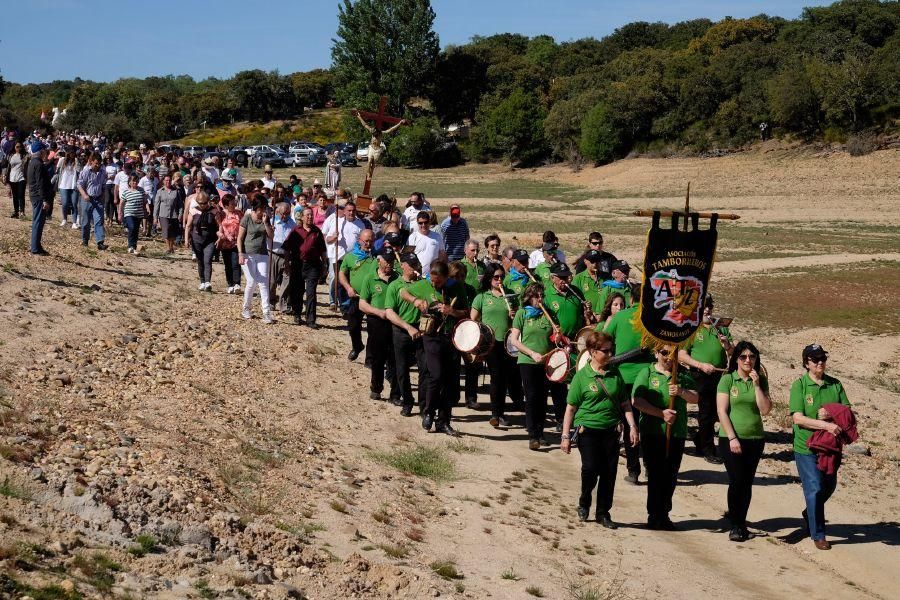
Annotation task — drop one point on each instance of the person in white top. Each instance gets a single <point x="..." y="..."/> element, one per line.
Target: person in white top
<point x="409" y="216"/>
<point x="67" y="170"/>
<point x="346" y="233"/>
<point x="429" y="245"/>
<point x="268" y="179"/>
<point x="211" y="170"/>
<point x="537" y="257"/>
<point x="121" y="179"/>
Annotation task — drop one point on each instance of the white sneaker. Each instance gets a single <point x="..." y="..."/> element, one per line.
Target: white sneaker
<point x="75" y="225"/>
<point x="208" y="286"/>
<point x="246" y="314"/>
<point x="63" y="223"/>
<point x="267" y="319"/>
<point x="237" y="289"/>
<point x="193" y="256"/>
<point x="131" y="251"/>
<point x="201" y="287"/>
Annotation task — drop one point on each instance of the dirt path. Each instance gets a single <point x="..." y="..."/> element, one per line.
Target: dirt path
<point x="761" y="265"/>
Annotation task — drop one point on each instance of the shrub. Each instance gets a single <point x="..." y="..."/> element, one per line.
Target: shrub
<point x="600" y="137"/>
<point x="513" y="129"/>
<point x="860" y="144"/>
<point x="424" y="461"/>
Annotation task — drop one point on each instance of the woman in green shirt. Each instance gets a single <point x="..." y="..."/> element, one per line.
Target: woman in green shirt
<point x="652" y="388"/>
<point x="597" y="396"/>
<point x="531" y="331"/>
<point x="742" y="399"/>
<point x="494" y="310"/>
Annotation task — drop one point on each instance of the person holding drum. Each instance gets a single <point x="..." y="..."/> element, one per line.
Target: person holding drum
<point x="492" y="308"/>
<point x="405" y="335"/>
<point x="566" y="310"/>
<point x="380" y="347"/>
<point x="518" y="276"/>
<point x="614" y="303"/>
<point x="442" y="302"/>
<point x="596" y="400"/>
<point x="530" y="334"/>
<point x="459" y="272"/>
<point x="742" y="400"/>
<point x="650" y="395"/>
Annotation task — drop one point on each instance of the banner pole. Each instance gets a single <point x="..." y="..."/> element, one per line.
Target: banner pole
<point x="676" y="349"/>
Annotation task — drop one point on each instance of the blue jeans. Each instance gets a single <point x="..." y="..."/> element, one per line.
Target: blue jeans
<point x="133" y="226"/>
<point x="817" y="489"/>
<point x="69" y="203"/>
<point x="92" y="210"/>
<point x="38" y="218"/>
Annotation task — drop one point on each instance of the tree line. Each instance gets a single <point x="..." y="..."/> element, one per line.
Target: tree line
<point x="833" y="72"/>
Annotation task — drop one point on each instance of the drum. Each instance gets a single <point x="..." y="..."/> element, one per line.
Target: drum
<point x="510" y="349"/>
<point x="473" y="338"/>
<point x="581" y="338"/>
<point x="584" y="357"/>
<point x="557" y="365"/>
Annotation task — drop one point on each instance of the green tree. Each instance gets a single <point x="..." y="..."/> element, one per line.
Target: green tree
<point x="512" y="129"/>
<point x="601" y="139"/>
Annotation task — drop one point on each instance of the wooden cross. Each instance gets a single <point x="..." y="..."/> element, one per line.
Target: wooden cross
<point x="380" y="119"/>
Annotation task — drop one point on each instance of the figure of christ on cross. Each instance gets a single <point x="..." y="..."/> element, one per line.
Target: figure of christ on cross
<point x="378" y="132"/>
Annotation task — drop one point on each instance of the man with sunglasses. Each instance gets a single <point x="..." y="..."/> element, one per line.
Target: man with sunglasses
<point x="429" y="245"/>
<point x="707" y="356"/>
<point x="604" y="262"/>
<point x="538" y="256"/>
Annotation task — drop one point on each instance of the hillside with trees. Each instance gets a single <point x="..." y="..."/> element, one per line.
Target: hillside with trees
<point x="692" y="86"/>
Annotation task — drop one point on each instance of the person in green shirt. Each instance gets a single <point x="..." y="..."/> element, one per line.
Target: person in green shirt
<point x="809" y="393"/>
<point x="614" y="303"/>
<point x="519" y="276"/>
<point x="379" y="345"/>
<point x="742" y="400"/>
<point x="618" y="283"/>
<point x="707" y="354"/>
<point x="405" y="335"/>
<point x="567" y="311"/>
<point x="492" y="308"/>
<point x="542" y="270"/>
<point x="472" y="370"/>
<point x="596" y="400"/>
<point x="474" y="267"/>
<point x="650" y="396"/>
<point x="446" y="301"/>
<point x="588" y="282"/>
<point x="355" y="267"/>
<point x="627" y="339"/>
<point x="530" y="334"/>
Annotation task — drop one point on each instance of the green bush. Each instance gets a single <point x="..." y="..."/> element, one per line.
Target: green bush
<point x="512" y="129"/>
<point x="600" y="137"/>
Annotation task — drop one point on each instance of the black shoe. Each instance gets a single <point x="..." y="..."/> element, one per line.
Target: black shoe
<point x="375" y="396"/>
<point x="312" y="325"/>
<point x="472" y="403"/>
<point x="406" y="411"/>
<point x="534" y="444"/>
<point x="84" y="244"/>
<point x="41" y="252"/>
<point x="396" y="400"/>
<point x="605" y="520"/>
<point x="632" y="477"/>
<point x="353" y="354"/>
<point x="445" y="428"/>
<point x="504" y="422"/>
<point x="298" y="321"/>
<point x="102" y="246"/>
<point x="738" y="534"/>
<point x="582" y="513"/>
<point x="712" y="458"/>
<point x="666" y="524"/>
<point x="427" y="421"/>
<point x="653" y="524"/>
<point x="288" y="311"/>
<point x="14" y="215"/>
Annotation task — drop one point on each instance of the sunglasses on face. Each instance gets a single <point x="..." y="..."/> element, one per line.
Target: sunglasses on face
<point x="595" y="242"/>
<point x="607" y="350"/>
<point x="747" y="356"/>
<point x="818" y="360"/>
<point x="422" y="222"/>
<point x="664" y="353"/>
<point x="497" y="277"/>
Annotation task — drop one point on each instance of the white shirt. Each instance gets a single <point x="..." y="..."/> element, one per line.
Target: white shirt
<point x="347" y="236"/>
<point x="428" y="247"/>
<point x="111" y="172"/>
<point x="269" y="183"/>
<point x="68" y="178"/>
<point x="121" y="180"/>
<point x="537" y="257"/>
<point x="408" y="219"/>
<point x="212" y="173"/>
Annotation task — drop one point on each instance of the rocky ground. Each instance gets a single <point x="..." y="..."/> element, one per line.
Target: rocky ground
<point x="154" y="444"/>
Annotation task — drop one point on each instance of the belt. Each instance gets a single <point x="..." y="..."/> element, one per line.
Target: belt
<point x="278" y="252"/>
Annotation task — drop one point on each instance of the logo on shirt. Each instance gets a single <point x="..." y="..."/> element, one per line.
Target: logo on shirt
<point x="593" y="387"/>
<point x="734" y="392"/>
<point x="654" y="383"/>
<point x="555" y="305"/>
<point x="809" y="399"/>
<point x="377" y="289"/>
<point x="699" y="337"/>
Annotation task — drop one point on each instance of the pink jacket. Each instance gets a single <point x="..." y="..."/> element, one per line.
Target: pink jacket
<point x="828" y="447"/>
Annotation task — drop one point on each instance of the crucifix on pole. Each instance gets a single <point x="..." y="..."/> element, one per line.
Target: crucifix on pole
<point x="378" y="131"/>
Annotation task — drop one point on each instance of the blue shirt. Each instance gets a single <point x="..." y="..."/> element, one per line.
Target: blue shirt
<point x="281" y="231"/>
<point x="455" y="237"/>
<point x="92" y="181"/>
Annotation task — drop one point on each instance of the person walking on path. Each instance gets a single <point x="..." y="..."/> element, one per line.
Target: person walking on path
<point x="40" y="192"/>
<point x="204" y="230"/>
<point x="90" y="186"/>
<point x="253" y="248"/>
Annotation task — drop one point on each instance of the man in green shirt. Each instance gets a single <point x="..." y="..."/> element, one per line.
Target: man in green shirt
<point x="566" y="310"/>
<point x="445" y="301"/>
<point x="355" y="267"/>
<point x="588" y="281"/>
<point x="628" y="338"/>
<point x="707" y="355"/>
<point x="542" y="270"/>
<point x="518" y="277"/>
<point x="474" y="267"/>
<point x="379" y="346"/>
<point x="405" y="334"/>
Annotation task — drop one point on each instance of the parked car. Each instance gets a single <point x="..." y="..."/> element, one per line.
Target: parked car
<point x="298" y="158"/>
<point x="166" y="148"/>
<point x="269" y="155"/>
<point x="314" y="152"/>
<point x="192" y="151"/>
<point x="240" y="155"/>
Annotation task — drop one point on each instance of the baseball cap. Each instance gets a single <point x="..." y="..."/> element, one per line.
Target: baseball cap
<point x="410" y="259"/>
<point x="814" y="351"/>
<point x="455" y="210"/>
<point x="521" y="256"/>
<point x="392" y="238"/>
<point x="549" y="246"/>
<point x="620" y="265"/>
<point x="388" y="254"/>
<point x="229" y="174"/>
<point x="561" y="269"/>
<point x="36" y="147"/>
<point x="593" y="256"/>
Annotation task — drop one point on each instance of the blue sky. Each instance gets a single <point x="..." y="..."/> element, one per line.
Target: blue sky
<point x="104" y="40"/>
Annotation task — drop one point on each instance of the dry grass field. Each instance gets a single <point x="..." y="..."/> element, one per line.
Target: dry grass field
<point x="153" y="444"/>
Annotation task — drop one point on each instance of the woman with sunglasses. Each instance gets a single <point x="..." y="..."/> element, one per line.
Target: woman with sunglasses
<point x="15" y="176"/>
<point x="492" y="250"/>
<point x="742" y="399"/>
<point x="597" y="396"/>
<point x="652" y="389"/>
<point x="530" y="334"/>
<point x="809" y="393"/>
<point x="493" y="309"/>
<point x="204" y="233"/>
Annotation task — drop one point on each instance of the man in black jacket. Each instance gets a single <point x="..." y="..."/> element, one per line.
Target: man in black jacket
<point x="40" y="190"/>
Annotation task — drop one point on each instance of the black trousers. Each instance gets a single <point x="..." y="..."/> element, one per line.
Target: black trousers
<point x="310" y="273"/>
<point x="204" y="254"/>
<point x="109" y="203"/>
<point x="232" y="266"/>
<point x="662" y="473"/>
<point x="632" y="453"/>
<point x="558" y="393"/>
<point x="442" y="361"/>
<point x="354" y="325"/>
<point x="406" y="353"/>
<point x="707" y="414"/>
<point x="380" y="348"/>
<point x="502" y="368"/>
<point x="534" y="383"/>
<point x="599" y="449"/>
<point x="472" y="371"/>
<point x="17" y="189"/>
<point x="741" y="469"/>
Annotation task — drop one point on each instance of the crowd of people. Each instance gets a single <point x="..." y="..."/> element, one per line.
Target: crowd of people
<point x="544" y="328"/>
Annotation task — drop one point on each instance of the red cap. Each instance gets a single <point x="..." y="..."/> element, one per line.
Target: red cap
<point x="455" y="210"/>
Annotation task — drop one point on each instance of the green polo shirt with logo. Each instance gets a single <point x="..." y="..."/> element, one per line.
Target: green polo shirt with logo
<point x="424" y="290"/>
<point x="374" y="289"/>
<point x="494" y="313"/>
<point x="535" y="334"/>
<point x="542" y="272"/>
<point x="706" y="347"/>
<point x="515" y="287"/>
<point x="590" y="287"/>
<point x="565" y="309"/>
<point x="473" y="272"/>
<point x="626" y="338"/>
<point x="357" y="270"/>
<point x="653" y="386"/>
<point x="742" y="408"/>
<point x="598" y="404"/>
<point x="405" y="310"/>
<point x="807" y="397"/>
